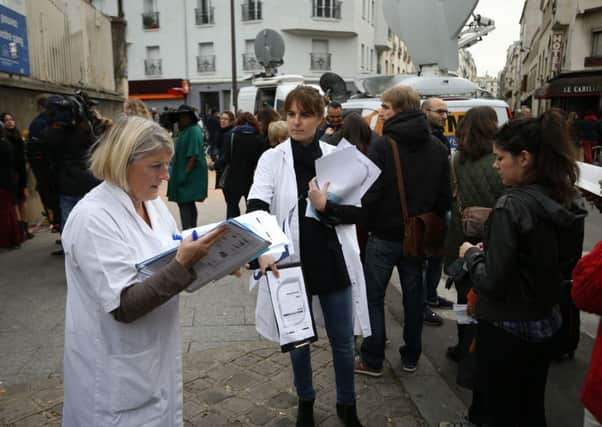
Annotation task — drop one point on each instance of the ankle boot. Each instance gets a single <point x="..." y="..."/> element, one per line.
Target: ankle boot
<point x="305" y="413"/>
<point x="348" y="414"/>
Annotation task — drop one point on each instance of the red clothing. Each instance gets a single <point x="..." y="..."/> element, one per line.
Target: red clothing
<point x="587" y="294"/>
<point x="10" y="232"/>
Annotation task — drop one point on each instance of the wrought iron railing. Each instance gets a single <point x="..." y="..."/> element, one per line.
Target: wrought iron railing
<point x="250" y="62"/>
<point x="150" y="20"/>
<point x="205" y="63"/>
<point x="152" y="67"/>
<point x="320" y="61"/>
<point x="203" y="16"/>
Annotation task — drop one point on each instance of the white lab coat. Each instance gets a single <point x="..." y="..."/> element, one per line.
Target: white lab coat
<point x="117" y="374"/>
<point x="276" y="184"/>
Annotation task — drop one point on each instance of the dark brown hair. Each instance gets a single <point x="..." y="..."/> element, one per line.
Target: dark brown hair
<point x="356" y="130"/>
<point x="265" y="117"/>
<point x="475" y="133"/>
<point x="230" y="115"/>
<point x="249" y="118"/>
<point x="547" y="139"/>
<point x="307" y="99"/>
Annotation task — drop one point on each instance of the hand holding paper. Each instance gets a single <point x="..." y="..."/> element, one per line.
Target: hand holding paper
<point x="193" y="249"/>
<point x="318" y="196"/>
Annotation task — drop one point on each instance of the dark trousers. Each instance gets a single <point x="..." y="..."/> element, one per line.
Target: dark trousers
<point x="188" y="215"/>
<point x="512" y="375"/>
<point x="232" y="208"/>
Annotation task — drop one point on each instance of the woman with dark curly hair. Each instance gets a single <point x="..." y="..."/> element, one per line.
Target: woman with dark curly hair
<point x="241" y="153"/>
<point x="533" y="239"/>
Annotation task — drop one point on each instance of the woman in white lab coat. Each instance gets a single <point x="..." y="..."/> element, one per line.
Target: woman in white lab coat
<point x="122" y="362"/>
<point x="327" y="249"/>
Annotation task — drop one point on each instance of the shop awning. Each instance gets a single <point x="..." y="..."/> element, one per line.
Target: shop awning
<point x="158" y="89"/>
<point x="573" y="85"/>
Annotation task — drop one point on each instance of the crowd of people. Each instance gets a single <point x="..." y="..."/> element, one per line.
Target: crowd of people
<point x="500" y="217"/>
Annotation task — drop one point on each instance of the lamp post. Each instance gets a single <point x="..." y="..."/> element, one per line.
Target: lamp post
<point x="233" y="40"/>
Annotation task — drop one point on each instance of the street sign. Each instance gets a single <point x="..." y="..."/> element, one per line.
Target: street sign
<point x="14" y="50"/>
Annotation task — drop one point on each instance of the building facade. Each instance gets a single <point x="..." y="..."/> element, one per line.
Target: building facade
<point x="489" y="83"/>
<point x="559" y="57"/>
<point x="466" y="65"/>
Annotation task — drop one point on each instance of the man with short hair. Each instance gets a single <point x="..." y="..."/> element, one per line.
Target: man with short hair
<point x="436" y="113"/>
<point x="330" y="131"/>
<point x="426" y="177"/>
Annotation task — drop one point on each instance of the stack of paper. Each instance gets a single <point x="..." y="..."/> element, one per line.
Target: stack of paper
<point x="590" y="177"/>
<point x="246" y="238"/>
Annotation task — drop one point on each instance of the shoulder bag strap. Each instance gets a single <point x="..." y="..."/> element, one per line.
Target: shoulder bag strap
<point x="456" y="183"/>
<point x="400" y="186"/>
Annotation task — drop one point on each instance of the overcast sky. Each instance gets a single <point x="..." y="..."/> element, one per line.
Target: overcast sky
<point x="490" y="54"/>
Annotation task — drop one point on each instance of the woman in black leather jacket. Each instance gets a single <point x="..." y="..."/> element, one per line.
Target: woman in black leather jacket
<point x="533" y="238"/>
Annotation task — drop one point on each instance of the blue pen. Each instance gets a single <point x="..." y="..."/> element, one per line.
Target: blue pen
<point x="177" y="237"/>
<point x="195" y="235"/>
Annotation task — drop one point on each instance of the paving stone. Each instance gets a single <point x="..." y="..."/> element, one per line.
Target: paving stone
<point x="209" y="418"/>
<point x="261" y="415"/>
<point x="17" y="408"/>
<point x="234" y="406"/>
<point x="211" y="397"/>
<point x="241" y="380"/>
<point x="266" y="368"/>
<point x="283" y="422"/>
<point x="32" y="421"/>
<point x="247" y="360"/>
<point x="283" y="400"/>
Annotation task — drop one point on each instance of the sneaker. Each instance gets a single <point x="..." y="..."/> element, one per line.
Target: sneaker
<point x="431" y="318"/>
<point x="408" y="366"/>
<point x="363" y="369"/>
<point x="440" y="302"/>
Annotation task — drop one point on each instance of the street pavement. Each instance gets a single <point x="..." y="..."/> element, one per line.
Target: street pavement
<point x="231" y="375"/>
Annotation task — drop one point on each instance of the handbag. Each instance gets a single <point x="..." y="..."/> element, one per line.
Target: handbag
<point x="472" y="218"/>
<point x="424" y="234"/>
<point x="223" y="178"/>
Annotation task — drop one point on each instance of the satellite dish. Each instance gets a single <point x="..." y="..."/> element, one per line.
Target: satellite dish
<point x="334" y="87"/>
<point x="406" y="18"/>
<point x="269" y="49"/>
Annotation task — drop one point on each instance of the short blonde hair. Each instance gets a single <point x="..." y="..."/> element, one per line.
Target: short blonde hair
<point x="403" y="99"/>
<point x="127" y="141"/>
<point x="277" y="132"/>
<point x="135" y="107"/>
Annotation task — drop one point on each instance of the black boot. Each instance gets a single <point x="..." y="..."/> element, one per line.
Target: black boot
<point x="348" y="414"/>
<point x="305" y="413"/>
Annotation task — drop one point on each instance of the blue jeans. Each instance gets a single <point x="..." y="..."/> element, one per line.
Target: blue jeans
<point x="381" y="257"/>
<point x="337" y="307"/>
<point x="432" y="275"/>
<point x="67" y="203"/>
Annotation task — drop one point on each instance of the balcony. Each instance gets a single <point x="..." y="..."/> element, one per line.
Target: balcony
<point x="249" y="62"/>
<point x="326" y="9"/>
<point x="204" y="16"/>
<point x="152" y="67"/>
<point x="320" y="61"/>
<point x="205" y="63"/>
<point x="150" y="20"/>
<point x="252" y="11"/>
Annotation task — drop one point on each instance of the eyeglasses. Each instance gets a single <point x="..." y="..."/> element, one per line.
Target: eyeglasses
<point x="440" y="111"/>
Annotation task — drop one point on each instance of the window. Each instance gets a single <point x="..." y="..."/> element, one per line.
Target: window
<point x="363" y="57"/>
<point x="249" y="61"/>
<point x="203" y="13"/>
<point x="327" y="9"/>
<point x="597" y="43"/>
<point x="372" y="12"/>
<point x="371" y="59"/>
<point x="364" y="9"/>
<point x="252" y="10"/>
<point x="150" y="16"/>
<point x="152" y="63"/>
<point x="205" y="62"/>
<point x="320" y="55"/>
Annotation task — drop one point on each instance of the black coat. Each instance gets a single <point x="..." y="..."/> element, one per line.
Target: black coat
<point x="426" y="176"/>
<point x="241" y="153"/>
<point x="532" y="244"/>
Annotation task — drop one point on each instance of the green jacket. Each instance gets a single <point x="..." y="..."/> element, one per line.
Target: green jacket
<point x="480" y="185"/>
<point x="188" y="187"/>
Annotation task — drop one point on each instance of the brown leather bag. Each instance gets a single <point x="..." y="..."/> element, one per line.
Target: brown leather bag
<point x="473" y="217"/>
<point x="424" y="234"/>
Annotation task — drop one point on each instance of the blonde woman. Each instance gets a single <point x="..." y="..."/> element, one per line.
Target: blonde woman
<point x="135" y="107"/>
<point x="277" y="132"/>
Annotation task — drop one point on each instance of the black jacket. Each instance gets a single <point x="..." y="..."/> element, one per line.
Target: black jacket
<point x="241" y="153"/>
<point x="69" y="150"/>
<point x="425" y="171"/>
<point x="531" y="246"/>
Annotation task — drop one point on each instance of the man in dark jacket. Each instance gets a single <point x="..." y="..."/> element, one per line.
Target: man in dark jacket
<point x="330" y="131"/>
<point x="426" y="178"/>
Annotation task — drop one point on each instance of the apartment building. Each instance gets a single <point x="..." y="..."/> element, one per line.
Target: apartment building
<point x="489" y="83"/>
<point x="180" y="50"/>
<point x="559" y="56"/>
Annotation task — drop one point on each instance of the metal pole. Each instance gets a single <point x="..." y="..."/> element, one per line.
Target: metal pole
<point x="186" y="53"/>
<point x="233" y="41"/>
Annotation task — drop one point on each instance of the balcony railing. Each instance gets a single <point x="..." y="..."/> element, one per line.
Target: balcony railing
<point x="249" y="62"/>
<point x="252" y="11"/>
<point x="320" y="61"/>
<point x="152" y="67"/>
<point x="150" y="20"/>
<point x="203" y="16"/>
<point x="205" y="63"/>
<point x="326" y="10"/>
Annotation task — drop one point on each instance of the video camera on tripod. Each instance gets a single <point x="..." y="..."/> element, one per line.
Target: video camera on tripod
<point x="73" y="110"/>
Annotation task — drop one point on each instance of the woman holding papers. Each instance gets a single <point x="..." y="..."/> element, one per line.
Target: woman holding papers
<point x="328" y="251"/>
<point x="122" y="362"/>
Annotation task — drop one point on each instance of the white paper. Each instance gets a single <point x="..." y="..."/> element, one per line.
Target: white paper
<point x="290" y="305"/>
<point x="462" y="316"/>
<point x="589" y="178"/>
<point x="349" y="172"/>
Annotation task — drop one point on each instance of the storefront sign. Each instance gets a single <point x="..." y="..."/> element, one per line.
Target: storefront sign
<point x="584" y="90"/>
<point x="14" y="51"/>
<point x="556" y="53"/>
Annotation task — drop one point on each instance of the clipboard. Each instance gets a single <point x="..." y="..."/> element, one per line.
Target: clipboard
<point x="291" y="308"/>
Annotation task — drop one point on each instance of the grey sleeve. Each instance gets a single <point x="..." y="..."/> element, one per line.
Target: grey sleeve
<point x="143" y="297"/>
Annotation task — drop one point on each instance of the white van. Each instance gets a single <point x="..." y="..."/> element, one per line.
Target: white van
<point x="269" y="92"/>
